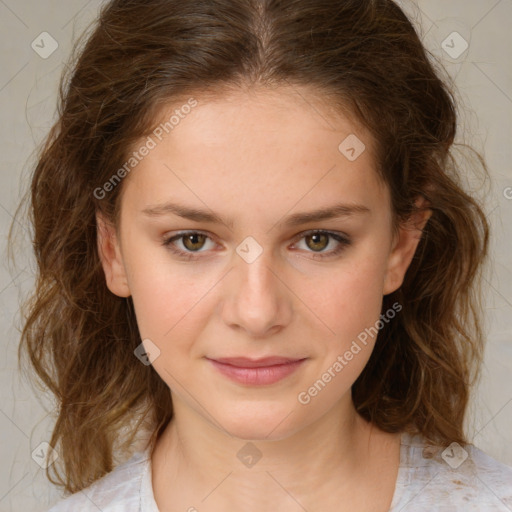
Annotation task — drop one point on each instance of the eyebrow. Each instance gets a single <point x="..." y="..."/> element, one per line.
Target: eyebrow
<point x="332" y="212"/>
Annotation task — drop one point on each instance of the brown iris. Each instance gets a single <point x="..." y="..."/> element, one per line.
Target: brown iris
<point x="191" y="243"/>
<point x="318" y="241"/>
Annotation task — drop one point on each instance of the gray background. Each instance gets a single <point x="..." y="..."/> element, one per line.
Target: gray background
<point x="28" y="86"/>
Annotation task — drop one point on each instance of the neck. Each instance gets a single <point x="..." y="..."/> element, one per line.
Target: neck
<point x="332" y="453"/>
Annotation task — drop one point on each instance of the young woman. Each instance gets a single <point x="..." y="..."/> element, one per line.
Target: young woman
<point x="255" y="258"/>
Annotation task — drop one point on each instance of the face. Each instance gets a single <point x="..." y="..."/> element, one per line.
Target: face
<point x="252" y="276"/>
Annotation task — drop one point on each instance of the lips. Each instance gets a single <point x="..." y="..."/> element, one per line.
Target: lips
<point x="244" y="362"/>
<point x="256" y="372"/>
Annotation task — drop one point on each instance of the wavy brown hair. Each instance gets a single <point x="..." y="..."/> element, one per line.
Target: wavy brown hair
<point x="363" y="56"/>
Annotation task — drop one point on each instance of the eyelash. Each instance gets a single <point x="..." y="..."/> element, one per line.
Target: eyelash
<point x="342" y="240"/>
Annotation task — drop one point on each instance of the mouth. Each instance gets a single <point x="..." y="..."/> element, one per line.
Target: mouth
<point x="256" y="372"/>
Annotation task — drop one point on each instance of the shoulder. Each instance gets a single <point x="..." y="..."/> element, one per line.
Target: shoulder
<point x="454" y="478"/>
<point x="119" y="490"/>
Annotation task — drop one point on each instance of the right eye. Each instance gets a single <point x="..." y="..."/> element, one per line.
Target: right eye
<point x="192" y="241"/>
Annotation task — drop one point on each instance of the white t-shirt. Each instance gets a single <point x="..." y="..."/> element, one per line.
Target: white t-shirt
<point x="454" y="479"/>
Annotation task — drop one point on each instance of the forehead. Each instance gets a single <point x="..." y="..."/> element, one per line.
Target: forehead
<point x="262" y="110"/>
<point x="256" y="149"/>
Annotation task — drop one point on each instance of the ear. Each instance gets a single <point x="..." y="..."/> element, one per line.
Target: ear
<point x="404" y="247"/>
<point x="111" y="258"/>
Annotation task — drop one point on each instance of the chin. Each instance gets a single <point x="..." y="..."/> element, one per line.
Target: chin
<point x="259" y="423"/>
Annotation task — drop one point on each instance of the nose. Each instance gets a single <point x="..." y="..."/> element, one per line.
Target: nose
<point x="257" y="299"/>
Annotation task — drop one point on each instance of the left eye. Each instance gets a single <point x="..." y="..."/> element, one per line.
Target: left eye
<point x="316" y="241"/>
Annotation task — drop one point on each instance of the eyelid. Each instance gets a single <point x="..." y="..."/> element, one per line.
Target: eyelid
<point x="168" y="242"/>
<point x="333" y="234"/>
<point x="343" y="240"/>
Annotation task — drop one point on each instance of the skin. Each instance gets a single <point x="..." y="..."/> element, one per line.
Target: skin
<point x="257" y="157"/>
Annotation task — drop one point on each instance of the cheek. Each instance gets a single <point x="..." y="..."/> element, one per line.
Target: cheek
<point x="340" y="299"/>
<point x="171" y="314"/>
<point x="348" y="298"/>
<point x="350" y="305"/>
<point x="165" y="296"/>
